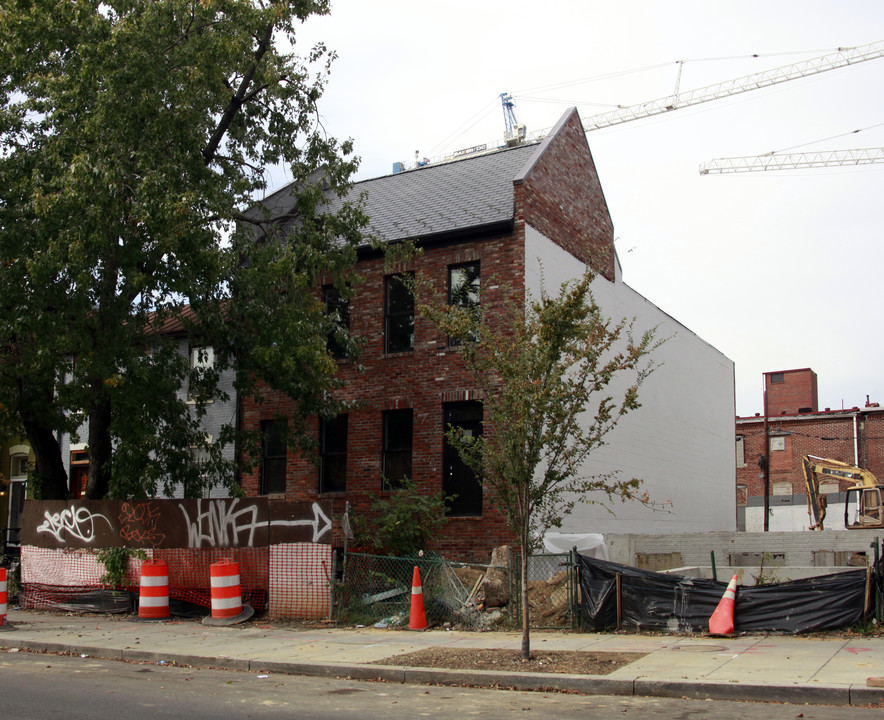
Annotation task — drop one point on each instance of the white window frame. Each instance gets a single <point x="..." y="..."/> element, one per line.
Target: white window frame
<point x="201" y="356"/>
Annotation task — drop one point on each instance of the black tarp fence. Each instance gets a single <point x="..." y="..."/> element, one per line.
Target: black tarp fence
<point x="680" y="604"/>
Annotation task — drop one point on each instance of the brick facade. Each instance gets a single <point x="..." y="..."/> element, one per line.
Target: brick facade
<point x="420" y="380"/>
<point x="854" y="436"/>
<point x="791" y="391"/>
<point x="561" y="195"/>
<point x="563" y="199"/>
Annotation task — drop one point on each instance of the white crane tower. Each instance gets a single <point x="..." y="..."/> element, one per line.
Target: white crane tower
<point x="514" y="133"/>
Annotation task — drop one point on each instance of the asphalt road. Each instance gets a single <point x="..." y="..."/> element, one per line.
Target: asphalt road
<point x="76" y="688"/>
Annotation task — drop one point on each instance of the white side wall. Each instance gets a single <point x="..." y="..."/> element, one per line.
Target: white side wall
<point x="680" y="442"/>
<point x="792" y="517"/>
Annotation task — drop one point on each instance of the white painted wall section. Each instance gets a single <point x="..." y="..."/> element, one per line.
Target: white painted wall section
<point x="680" y="442"/>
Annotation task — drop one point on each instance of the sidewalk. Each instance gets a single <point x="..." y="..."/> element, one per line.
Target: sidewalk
<point x="759" y="668"/>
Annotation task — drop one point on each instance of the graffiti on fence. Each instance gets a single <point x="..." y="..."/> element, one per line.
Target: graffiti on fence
<point x="216" y="523"/>
<point x="320" y="524"/>
<point x="219" y="524"/>
<point x="74" y="522"/>
<point x="138" y="524"/>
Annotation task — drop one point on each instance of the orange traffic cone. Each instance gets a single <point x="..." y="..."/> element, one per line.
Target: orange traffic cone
<point x="722" y="620"/>
<point x="418" y="618"/>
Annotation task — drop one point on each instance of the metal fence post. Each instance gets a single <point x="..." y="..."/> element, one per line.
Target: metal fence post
<point x="574" y="581"/>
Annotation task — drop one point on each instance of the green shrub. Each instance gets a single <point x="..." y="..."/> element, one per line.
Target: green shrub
<point x="116" y="564"/>
<point x="402" y="523"/>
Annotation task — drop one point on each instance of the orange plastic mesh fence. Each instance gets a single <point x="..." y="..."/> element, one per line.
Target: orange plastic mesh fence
<point x="189" y="573"/>
<point x="300" y="581"/>
<point x="288" y="581"/>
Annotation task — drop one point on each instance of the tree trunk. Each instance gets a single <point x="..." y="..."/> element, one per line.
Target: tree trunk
<point x="526" y="616"/>
<point x="51" y="478"/>
<point x="100" y="446"/>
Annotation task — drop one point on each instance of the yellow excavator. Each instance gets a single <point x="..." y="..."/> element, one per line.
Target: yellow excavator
<point x="863" y="508"/>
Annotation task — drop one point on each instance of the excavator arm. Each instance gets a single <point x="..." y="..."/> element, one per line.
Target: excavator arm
<point x="864" y="496"/>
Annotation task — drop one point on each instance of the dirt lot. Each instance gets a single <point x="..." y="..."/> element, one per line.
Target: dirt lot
<point x="579" y="663"/>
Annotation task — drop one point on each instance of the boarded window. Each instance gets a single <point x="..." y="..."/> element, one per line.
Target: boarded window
<point x="777" y="443"/>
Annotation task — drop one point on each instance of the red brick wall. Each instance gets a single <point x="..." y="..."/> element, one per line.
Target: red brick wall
<point x="423" y="380"/>
<point x="563" y="199"/>
<point x="797" y="392"/>
<point x="872" y="443"/>
<point x="828" y="436"/>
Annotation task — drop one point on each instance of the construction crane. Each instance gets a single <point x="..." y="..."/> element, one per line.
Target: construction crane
<point x="842" y="58"/>
<point x="793" y="161"/>
<point x="514" y="133"/>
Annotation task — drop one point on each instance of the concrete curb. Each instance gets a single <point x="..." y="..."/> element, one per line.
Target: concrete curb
<point x="792" y="694"/>
<point x="861" y="695"/>
<point x="586" y="684"/>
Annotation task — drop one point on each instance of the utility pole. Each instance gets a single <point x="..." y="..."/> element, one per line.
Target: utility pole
<point x="766" y="468"/>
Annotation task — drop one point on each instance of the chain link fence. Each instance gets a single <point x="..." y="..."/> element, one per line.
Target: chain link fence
<point x="553" y="591"/>
<point x="376" y="590"/>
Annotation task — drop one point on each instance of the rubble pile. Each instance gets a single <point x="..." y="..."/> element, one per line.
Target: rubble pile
<point x="477" y="596"/>
<point x="549" y="601"/>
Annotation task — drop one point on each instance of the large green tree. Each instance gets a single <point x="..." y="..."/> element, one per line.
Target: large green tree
<point x="556" y="377"/>
<point x="134" y="134"/>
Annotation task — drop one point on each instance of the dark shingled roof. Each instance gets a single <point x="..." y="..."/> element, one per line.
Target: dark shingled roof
<point x="448" y="197"/>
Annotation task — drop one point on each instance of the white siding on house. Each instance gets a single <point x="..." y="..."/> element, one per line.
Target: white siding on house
<point x="217" y="415"/>
<point x="681" y="441"/>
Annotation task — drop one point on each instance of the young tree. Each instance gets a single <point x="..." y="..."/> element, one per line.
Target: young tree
<point x="133" y="136"/>
<point x="545" y="368"/>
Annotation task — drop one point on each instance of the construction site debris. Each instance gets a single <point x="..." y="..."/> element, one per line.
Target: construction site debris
<point x="496" y="585"/>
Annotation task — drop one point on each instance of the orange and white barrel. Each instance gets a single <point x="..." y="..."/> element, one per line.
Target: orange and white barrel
<point x="153" y="595"/>
<point x="2" y="596"/>
<point x="226" y="593"/>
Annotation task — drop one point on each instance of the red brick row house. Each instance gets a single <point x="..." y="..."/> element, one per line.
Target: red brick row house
<point x="494" y="222"/>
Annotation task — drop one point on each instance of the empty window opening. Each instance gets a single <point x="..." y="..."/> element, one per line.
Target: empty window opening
<point x="273" y="457"/>
<point x="398" y="314"/>
<point x="398" y="439"/>
<point x="458" y="479"/>
<point x="333" y="454"/>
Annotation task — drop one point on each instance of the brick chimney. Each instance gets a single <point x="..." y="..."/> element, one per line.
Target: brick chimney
<point x="790" y="392"/>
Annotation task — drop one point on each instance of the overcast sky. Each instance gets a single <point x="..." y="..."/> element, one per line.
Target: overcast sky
<point x="778" y="270"/>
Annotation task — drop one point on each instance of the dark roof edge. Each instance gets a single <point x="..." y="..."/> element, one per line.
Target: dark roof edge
<point x="807" y="417"/>
<point x="547" y="141"/>
<point x="448" y="236"/>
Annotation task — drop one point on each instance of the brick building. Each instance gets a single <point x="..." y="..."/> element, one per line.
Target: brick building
<point x="493" y="223"/>
<point x="797" y="427"/>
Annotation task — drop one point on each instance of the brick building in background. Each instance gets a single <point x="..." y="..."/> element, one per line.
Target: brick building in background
<point x="499" y="222"/>
<point x="797" y="427"/>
